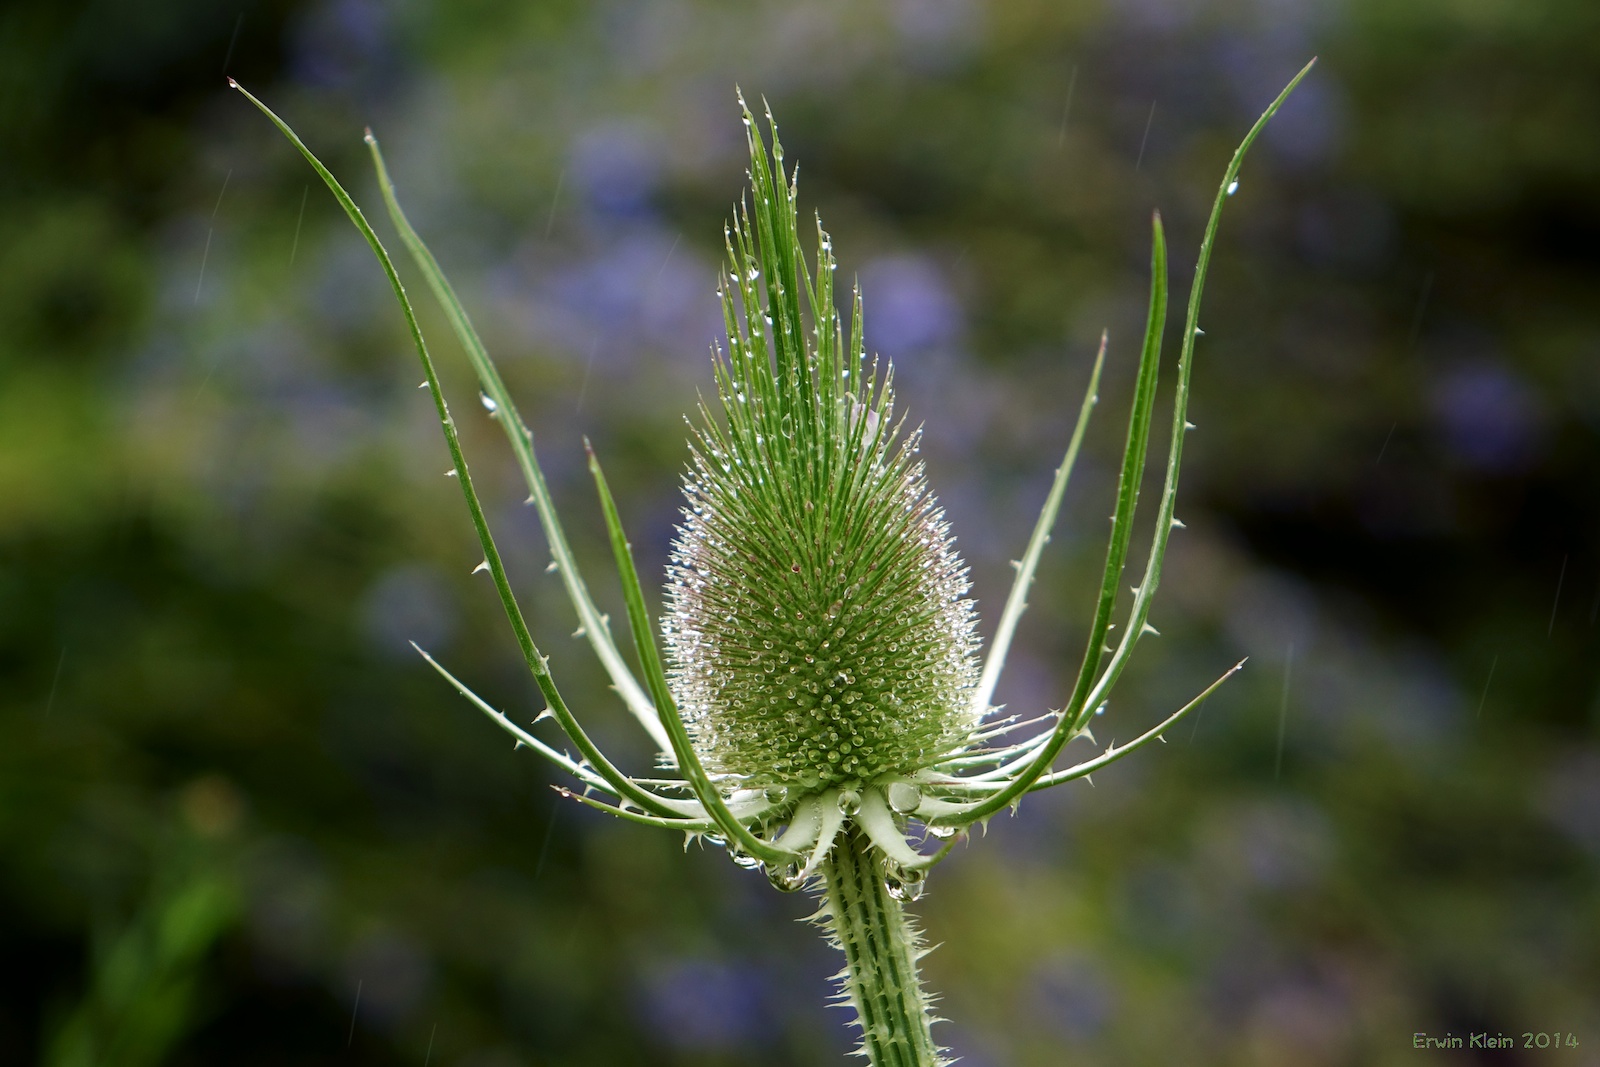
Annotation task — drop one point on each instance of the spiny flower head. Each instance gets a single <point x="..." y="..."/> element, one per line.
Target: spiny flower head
<point x="822" y="653"/>
<point x="817" y="630"/>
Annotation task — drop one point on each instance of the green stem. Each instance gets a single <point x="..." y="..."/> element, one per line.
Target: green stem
<point x="881" y="949"/>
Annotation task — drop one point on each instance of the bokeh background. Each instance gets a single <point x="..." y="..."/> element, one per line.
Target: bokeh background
<point x="241" y="822"/>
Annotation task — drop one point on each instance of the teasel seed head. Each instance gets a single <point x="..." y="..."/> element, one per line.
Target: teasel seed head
<point x="817" y="627"/>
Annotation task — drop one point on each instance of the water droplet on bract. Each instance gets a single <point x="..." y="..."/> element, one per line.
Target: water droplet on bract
<point x="1101" y="710"/>
<point x="488" y="403"/>
<point x="849" y="801"/>
<point x="904" y="797"/>
<point x="905" y="885"/>
<point x="786" y="879"/>
<point x="943" y="833"/>
<point x="776" y="794"/>
<point x="787" y="427"/>
<point x="748" y="862"/>
<point x="1233" y="187"/>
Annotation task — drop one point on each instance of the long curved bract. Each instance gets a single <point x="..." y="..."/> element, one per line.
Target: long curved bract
<point x="594" y="624"/>
<point x="1087" y="691"/>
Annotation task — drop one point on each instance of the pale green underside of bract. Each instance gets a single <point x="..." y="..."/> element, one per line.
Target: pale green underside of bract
<point x="821" y="668"/>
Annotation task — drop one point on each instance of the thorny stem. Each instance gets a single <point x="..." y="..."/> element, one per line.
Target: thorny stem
<point x="881" y="950"/>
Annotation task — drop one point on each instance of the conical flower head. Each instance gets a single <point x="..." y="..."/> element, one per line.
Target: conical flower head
<point x="817" y="629"/>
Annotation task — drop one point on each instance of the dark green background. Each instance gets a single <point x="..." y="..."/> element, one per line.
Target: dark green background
<point x="231" y="797"/>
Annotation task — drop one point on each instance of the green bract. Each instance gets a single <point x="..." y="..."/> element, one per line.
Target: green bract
<point x="821" y="694"/>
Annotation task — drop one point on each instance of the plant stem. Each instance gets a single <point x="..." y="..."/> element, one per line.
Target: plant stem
<point x="881" y="950"/>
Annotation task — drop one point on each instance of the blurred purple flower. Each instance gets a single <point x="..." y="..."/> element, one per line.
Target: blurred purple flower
<point x="912" y="308"/>
<point x="1310" y="127"/>
<point x="615" y="166"/>
<point x="1074" y="996"/>
<point x="1268" y="613"/>
<point x="636" y="296"/>
<point x="1489" y="418"/>
<point x="698" y="1005"/>
<point x="937" y="33"/>
<point x="408" y="603"/>
<point x="1162" y="16"/>
<point x="336" y="40"/>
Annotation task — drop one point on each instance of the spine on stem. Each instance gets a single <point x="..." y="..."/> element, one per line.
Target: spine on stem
<point x="881" y="949"/>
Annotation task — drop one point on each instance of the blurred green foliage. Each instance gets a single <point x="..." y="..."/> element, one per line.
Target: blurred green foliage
<point x="222" y="518"/>
<point x="142" y="999"/>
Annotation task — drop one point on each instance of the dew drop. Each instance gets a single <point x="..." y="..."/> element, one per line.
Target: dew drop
<point x="904" y="797"/>
<point x="488" y="403"/>
<point x="786" y="879"/>
<point x="1233" y="187"/>
<point x="906" y="885"/>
